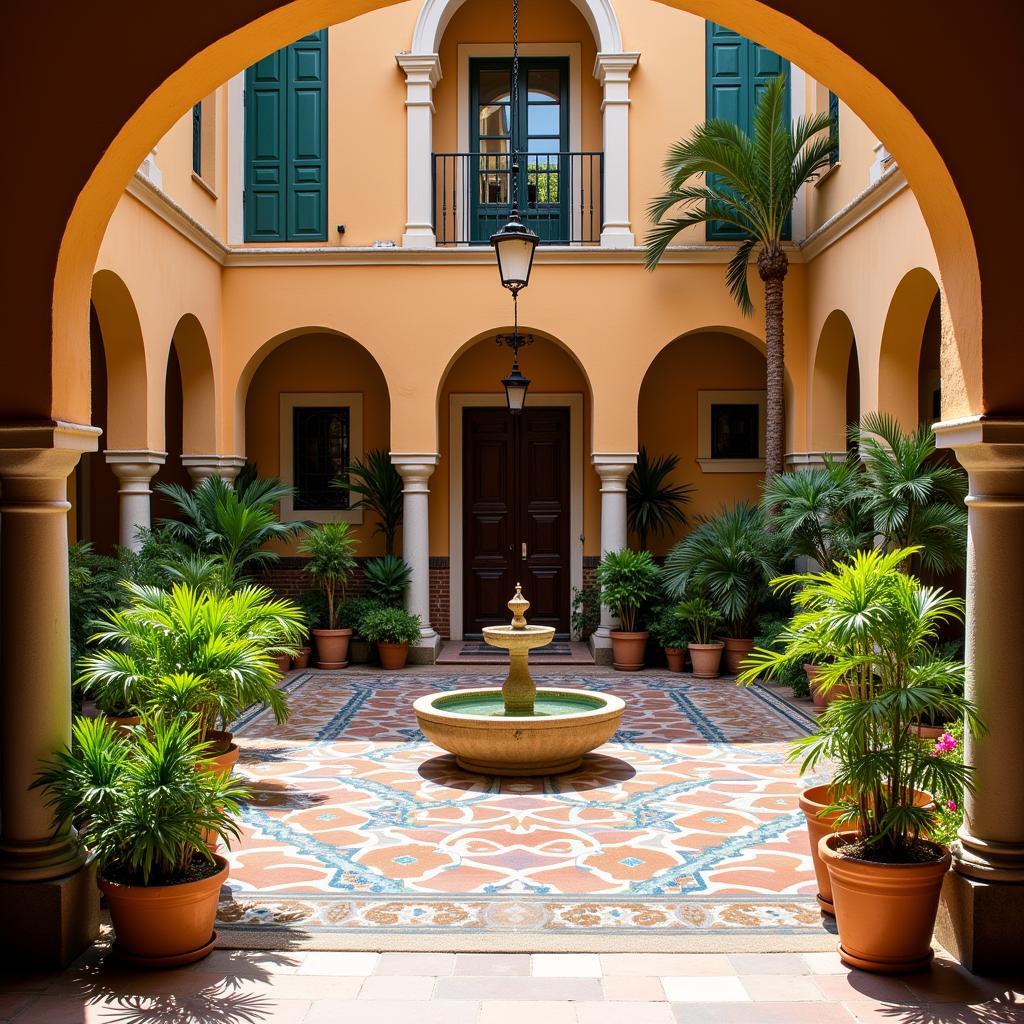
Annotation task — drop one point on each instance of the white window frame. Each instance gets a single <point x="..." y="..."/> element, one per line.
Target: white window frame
<point x="290" y="401"/>
<point x="705" y="399"/>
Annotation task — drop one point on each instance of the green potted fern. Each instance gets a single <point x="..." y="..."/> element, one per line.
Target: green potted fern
<point x="392" y="630"/>
<point x="330" y="548"/>
<point x="139" y="806"/>
<point x="704" y="647"/>
<point x="876" y="627"/>
<point x="629" y="580"/>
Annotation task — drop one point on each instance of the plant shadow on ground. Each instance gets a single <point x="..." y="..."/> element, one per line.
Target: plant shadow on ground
<point x="266" y="794"/>
<point x="598" y="771"/>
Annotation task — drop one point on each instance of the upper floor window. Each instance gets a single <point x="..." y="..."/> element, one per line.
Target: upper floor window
<point x="204" y="137"/>
<point x="833" y="135"/>
<point x="197" y="139"/>
<point x="737" y="69"/>
<point x="285" y="194"/>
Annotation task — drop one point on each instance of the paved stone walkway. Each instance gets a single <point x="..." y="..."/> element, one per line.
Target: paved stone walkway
<point x="489" y="988"/>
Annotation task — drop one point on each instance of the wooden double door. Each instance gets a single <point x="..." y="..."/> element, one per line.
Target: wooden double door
<point x="516" y="495"/>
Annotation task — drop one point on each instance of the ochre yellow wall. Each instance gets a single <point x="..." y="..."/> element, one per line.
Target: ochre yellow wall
<point x="316" y="362"/>
<point x="710" y="361"/>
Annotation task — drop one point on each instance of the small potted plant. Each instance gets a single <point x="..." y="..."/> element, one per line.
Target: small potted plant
<point x="705" y="650"/>
<point x="628" y="581"/>
<point x="670" y="631"/>
<point x="331" y="548"/>
<point x="392" y="630"/>
<point x="138" y="805"/>
<point x="387" y="580"/>
<point x="875" y="626"/>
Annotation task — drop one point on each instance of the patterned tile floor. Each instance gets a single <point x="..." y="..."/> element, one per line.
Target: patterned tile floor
<point x="686" y="823"/>
<point x="466" y="988"/>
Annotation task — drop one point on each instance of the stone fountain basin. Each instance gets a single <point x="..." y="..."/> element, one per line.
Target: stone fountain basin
<point x="513" y="639"/>
<point x="496" y="744"/>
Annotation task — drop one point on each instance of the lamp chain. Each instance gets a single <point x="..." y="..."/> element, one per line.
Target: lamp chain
<point x="513" y="121"/>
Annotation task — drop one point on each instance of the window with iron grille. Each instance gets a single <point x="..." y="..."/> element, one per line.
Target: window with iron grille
<point x="321" y="440"/>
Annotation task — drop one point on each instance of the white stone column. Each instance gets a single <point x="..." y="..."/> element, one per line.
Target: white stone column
<point x="422" y="73"/>
<point x="134" y="471"/>
<point x="201" y="466"/>
<point x="415" y="470"/>
<point x="984" y="897"/>
<point x="612" y="70"/>
<point x="613" y="468"/>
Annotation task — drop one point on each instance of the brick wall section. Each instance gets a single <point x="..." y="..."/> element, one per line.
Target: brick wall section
<point x="440" y="596"/>
<point x="287" y="578"/>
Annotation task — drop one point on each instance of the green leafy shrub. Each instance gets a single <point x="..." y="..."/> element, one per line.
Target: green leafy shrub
<point x="702" y="618"/>
<point x="628" y="581"/>
<point x="670" y="629"/>
<point x="585" y="616"/>
<point x="390" y="626"/>
<point x="387" y="580"/>
<point x="769" y="636"/>
<point x="331" y="550"/>
<point x="353" y="610"/>
<point x="137" y="802"/>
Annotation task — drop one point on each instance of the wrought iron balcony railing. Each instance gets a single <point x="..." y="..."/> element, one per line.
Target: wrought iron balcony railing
<point x="560" y="196"/>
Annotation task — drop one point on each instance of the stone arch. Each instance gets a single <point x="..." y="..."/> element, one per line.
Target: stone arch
<point x="435" y="14"/>
<point x="835" y="357"/>
<point x="198" y="390"/>
<point x="900" y="351"/>
<point x="124" y="350"/>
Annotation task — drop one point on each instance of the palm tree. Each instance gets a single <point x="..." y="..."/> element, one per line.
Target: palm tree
<point x="750" y="183"/>
<point x="913" y="499"/>
<point x="378" y="483"/>
<point x="652" y="504"/>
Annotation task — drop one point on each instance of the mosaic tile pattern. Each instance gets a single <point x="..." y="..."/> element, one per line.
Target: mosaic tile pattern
<point x="687" y="820"/>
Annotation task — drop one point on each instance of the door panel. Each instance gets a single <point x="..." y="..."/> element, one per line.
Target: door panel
<point x="516" y="515"/>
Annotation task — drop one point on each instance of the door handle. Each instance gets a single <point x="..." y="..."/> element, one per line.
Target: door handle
<point x="523" y="556"/>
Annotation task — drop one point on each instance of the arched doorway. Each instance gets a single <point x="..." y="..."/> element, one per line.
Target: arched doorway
<point x="835" y="385"/>
<point x="518" y="490"/>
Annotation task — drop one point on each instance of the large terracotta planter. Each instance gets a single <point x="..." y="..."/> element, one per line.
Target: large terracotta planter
<point x="817" y="697"/>
<point x="301" y="660"/>
<point x="885" y="912"/>
<point x="706" y="659"/>
<point x="392" y="656"/>
<point x="164" y="925"/>
<point x="283" y="662"/>
<point x="812" y="802"/>
<point x="332" y="647"/>
<point x="735" y="651"/>
<point x="628" y="650"/>
<point x="676" y="658"/>
<point x="123" y="723"/>
<point x="225" y="752"/>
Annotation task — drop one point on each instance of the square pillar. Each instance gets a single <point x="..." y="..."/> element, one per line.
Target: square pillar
<point x="422" y="73"/>
<point x="415" y="471"/>
<point x="612" y="70"/>
<point x="613" y="468"/>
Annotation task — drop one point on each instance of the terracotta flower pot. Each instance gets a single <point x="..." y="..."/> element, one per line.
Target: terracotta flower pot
<point x="301" y="660"/>
<point x="706" y="659"/>
<point x="628" y="650"/>
<point x="928" y="732"/>
<point x="283" y="662"/>
<point x="817" y="697"/>
<point x="735" y="651"/>
<point x="676" y="658"/>
<point x="812" y="802"/>
<point x="332" y="647"/>
<point x="392" y="656"/>
<point x="885" y="912"/>
<point x="123" y="723"/>
<point x="164" y="925"/>
<point x="224" y="755"/>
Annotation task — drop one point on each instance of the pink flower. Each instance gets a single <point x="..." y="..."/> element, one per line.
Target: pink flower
<point x="945" y="744"/>
<point x="951" y="805"/>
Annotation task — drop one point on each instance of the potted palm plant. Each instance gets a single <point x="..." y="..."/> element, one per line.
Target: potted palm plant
<point x="387" y="580"/>
<point x="138" y="805"/>
<point x="331" y="548"/>
<point x="728" y="559"/>
<point x="392" y="630"/>
<point x="653" y="505"/>
<point x="204" y="652"/>
<point x="628" y="581"/>
<point x="379" y="487"/>
<point x="705" y="650"/>
<point x="876" y="626"/>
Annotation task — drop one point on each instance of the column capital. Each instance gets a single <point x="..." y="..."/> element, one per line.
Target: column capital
<point x="810" y="460"/>
<point x="420" y="68"/>
<point x="415" y="468"/>
<point x="43" y="450"/>
<point x="613" y="467"/>
<point x="201" y="466"/>
<point x="988" y="445"/>
<point x="134" y="466"/>
<point x="615" y="67"/>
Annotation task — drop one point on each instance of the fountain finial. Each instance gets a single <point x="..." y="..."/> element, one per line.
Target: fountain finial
<point x="517" y="606"/>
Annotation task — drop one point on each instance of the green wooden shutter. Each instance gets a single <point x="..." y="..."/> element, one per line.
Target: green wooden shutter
<point x="833" y="132"/>
<point x="197" y="138"/>
<point x="737" y="70"/>
<point x="286" y="144"/>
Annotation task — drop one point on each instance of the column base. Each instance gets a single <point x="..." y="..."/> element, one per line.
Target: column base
<point x="419" y="238"/>
<point x="48" y="924"/>
<point x="979" y="923"/>
<point x="425" y="650"/>
<point x="618" y="238"/>
<point x="601" y="646"/>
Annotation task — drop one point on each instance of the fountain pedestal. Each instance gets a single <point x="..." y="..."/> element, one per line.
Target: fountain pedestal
<point x="519" y="729"/>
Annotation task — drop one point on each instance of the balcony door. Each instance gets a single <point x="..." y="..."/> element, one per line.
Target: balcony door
<point x="542" y="137"/>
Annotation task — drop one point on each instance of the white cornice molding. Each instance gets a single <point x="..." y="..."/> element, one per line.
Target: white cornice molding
<point x="159" y="202"/>
<point x="855" y="212"/>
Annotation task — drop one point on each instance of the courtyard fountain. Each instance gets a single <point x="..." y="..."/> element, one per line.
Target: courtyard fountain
<point x="519" y="729"/>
